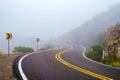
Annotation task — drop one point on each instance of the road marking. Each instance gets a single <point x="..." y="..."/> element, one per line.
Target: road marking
<point x="58" y="57"/>
<point x="20" y="67"/>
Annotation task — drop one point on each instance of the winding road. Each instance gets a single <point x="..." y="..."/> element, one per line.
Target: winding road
<point x="64" y="63"/>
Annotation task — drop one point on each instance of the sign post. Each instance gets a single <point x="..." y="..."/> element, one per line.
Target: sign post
<point x="8" y="47"/>
<point x="8" y="37"/>
<point x="103" y="56"/>
<point x="37" y="40"/>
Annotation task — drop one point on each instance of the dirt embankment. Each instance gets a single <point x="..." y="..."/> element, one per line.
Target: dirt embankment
<point x="6" y="67"/>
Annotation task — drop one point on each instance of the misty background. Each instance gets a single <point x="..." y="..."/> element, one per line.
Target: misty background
<point x="75" y="20"/>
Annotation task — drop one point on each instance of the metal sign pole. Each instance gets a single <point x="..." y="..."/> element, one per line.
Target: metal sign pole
<point x="8" y="47"/>
<point x="103" y="56"/>
<point x="8" y="37"/>
<point x="37" y="40"/>
<point x="37" y="46"/>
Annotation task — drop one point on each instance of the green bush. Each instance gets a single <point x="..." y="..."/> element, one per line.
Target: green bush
<point x="96" y="49"/>
<point x="111" y="60"/>
<point x="95" y="52"/>
<point x="21" y="49"/>
<point x="107" y="60"/>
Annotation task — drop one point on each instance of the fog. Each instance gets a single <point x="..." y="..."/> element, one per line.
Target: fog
<point x="47" y="19"/>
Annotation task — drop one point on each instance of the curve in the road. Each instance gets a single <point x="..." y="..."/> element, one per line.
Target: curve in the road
<point x="22" y="74"/>
<point x="20" y="67"/>
<point x="58" y="57"/>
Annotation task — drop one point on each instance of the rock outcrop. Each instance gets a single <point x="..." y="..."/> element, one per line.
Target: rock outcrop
<point x="112" y="42"/>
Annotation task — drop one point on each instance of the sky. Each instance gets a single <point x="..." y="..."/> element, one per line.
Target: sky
<point x="48" y="18"/>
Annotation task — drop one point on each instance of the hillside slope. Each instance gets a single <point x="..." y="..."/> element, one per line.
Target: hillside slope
<point x="89" y="32"/>
<point x="112" y="42"/>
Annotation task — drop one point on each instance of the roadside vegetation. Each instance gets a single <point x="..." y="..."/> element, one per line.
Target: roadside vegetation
<point x="6" y="62"/>
<point x="111" y="60"/>
<point x="95" y="53"/>
<point x="6" y="66"/>
<point x="21" y="49"/>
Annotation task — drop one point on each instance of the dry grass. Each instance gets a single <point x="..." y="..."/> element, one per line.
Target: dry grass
<point x="6" y="63"/>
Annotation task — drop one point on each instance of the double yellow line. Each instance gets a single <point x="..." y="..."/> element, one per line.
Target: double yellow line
<point x="58" y="57"/>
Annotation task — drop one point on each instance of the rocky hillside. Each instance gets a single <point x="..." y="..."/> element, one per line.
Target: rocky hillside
<point x="112" y="42"/>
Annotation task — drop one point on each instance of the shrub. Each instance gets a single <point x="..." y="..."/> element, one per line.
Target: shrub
<point x="95" y="52"/>
<point x="21" y="49"/>
<point x="96" y="49"/>
<point x="111" y="60"/>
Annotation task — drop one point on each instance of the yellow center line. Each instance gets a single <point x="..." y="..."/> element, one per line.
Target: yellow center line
<point x="58" y="57"/>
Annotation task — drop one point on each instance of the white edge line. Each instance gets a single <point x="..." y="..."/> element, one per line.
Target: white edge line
<point x="96" y="61"/>
<point x="20" y="68"/>
<point x="20" y="64"/>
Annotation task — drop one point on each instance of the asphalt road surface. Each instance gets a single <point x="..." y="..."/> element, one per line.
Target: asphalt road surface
<point x="65" y="63"/>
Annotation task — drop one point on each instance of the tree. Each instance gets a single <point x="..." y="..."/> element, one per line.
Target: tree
<point x="21" y="49"/>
